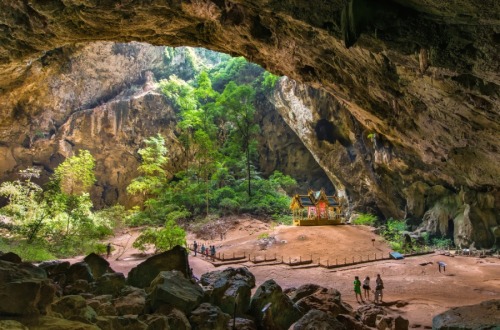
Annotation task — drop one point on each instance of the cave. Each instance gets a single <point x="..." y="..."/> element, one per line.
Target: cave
<point x="409" y="89"/>
<point x="423" y="76"/>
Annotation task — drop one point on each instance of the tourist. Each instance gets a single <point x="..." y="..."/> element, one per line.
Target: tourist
<point x="203" y="249"/>
<point x="379" y="289"/>
<point x="366" y="287"/>
<point x="357" y="289"/>
<point x="212" y="252"/>
<point x="195" y="246"/>
<point x="108" y="250"/>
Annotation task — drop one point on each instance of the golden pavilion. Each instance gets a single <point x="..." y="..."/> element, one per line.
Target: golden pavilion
<point x="316" y="209"/>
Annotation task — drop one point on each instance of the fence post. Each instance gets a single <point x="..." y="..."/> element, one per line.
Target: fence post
<point x="300" y="258"/>
<point x="345" y="261"/>
<point x="352" y="259"/>
<point x="289" y="260"/>
<point x="336" y="262"/>
<point x="327" y="262"/>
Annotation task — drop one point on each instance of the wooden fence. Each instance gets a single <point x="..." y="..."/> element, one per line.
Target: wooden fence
<point x="325" y="263"/>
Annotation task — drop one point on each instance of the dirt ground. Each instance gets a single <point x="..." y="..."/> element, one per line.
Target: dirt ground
<point x="414" y="288"/>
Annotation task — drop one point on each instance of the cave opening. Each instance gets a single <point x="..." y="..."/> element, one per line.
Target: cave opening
<point x="420" y="74"/>
<point x="451" y="228"/>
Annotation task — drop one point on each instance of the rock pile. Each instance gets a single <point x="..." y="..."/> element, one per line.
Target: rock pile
<point x="90" y="295"/>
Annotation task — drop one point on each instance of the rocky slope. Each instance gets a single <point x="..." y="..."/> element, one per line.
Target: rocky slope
<point x="420" y="77"/>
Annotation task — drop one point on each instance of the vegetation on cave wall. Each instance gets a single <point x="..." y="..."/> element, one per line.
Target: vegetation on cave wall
<point x="215" y="99"/>
<point x="57" y="219"/>
<point x="216" y="128"/>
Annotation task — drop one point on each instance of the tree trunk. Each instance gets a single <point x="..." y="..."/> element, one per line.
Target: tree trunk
<point x="248" y="173"/>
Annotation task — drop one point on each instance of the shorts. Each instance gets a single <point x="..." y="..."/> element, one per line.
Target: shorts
<point x="357" y="290"/>
<point x="366" y="287"/>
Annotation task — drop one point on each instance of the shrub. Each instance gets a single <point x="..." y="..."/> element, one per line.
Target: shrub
<point x="442" y="242"/>
<point x="263" y="236"/>
<point x="34" y="252"/>
<point x="284" y="219"/>
<point x="396" y="246"/>
<point x="229" y="206"/>
<point x="162" y="239"/>
<point x="365" y="219"/>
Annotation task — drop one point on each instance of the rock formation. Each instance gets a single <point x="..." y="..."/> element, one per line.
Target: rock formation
<point x="173" y="301"/>
<point x="107" y="103"/>
<point x="416" y="84"/>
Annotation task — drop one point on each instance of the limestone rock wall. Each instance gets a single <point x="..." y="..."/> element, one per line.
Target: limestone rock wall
<point x="102" y="97"/>
<point x="378" y="176"/>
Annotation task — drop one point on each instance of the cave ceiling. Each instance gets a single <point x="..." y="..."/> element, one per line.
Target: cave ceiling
<point x="422" y="74"/>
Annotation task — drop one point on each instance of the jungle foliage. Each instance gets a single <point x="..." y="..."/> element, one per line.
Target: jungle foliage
<point x="217" y="129"/>
<point x="58" y="219"/>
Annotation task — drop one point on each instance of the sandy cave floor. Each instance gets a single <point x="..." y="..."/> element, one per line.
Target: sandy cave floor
<point x="414" y="288"/>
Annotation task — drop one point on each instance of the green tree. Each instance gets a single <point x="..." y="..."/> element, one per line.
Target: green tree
<point x="153" y="174"/>
<point x="162" y="239"/>
<point x="68" y="195"/>
<point x="25" y="203"/>
<point x="237" y="102"/>
<point x="76" y="174"/>
<point x="152" y="168"/>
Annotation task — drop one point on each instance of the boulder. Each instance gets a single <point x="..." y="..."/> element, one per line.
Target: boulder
<point x="311" y="296"/>
<point x="304" y="290"/>
<point x="103" y="305"/>
<point x="56" y="270"/>
<point x="24" y="289"/>
<point x="109" y="283"/>
<point x="145" y="272"/>
<point x="79" y="271"/>
<point x="241" y="324"/>
<point x="400" y="323"/>
<point x="173" y="289"/>
<point x="74" y="308"/>
<point x="77" y="287"/>
<point x="131" y="301"/>
<point x="54" y="267"/>
<point x="351" y="322"/>
<point x="209" y="317"/>
<point x="55" y="323"/>
<point x="280" y="314"/>
<point x="12" y="325"/>
<point x="466" y="317"/>
<point x="177" y="320"/>
<point x="98" y="265"/>
<point x="383" y="322"/>
<point x="127" y="322"/>
<point x="155" y="321"/>
<point x="11" y="257"/>
<point x="368" y="314"/>
<point x="229" y="288"/>
<point x="318" y="320"/>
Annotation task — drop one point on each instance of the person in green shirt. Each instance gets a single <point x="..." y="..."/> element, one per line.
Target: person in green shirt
<point x="357" y="289"/>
